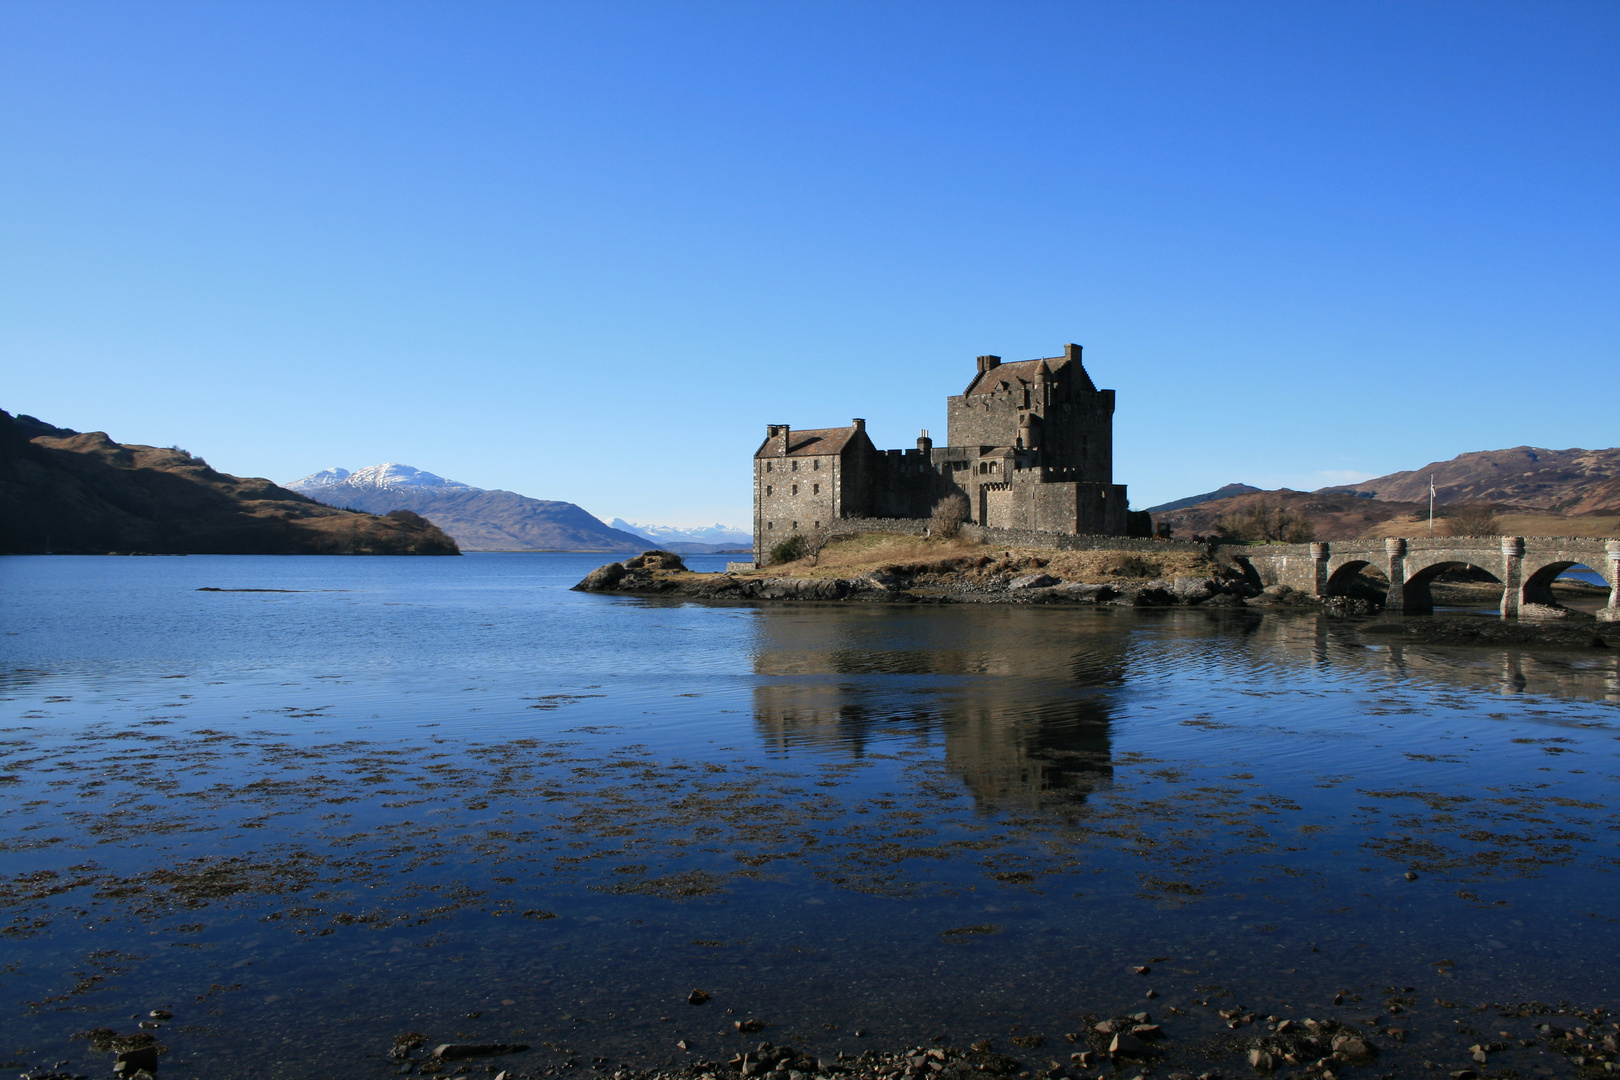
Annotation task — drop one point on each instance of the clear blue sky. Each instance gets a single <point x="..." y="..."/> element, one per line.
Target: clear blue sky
<point x="587" y="251"/>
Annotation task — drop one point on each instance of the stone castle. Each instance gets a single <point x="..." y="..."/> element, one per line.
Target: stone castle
<point x="1030" y="446"/>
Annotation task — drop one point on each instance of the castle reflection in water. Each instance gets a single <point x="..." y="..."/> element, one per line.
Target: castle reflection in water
<point x="1019" y="702"/>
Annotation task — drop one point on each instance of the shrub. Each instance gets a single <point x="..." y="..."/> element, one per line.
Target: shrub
<point x="409" y="517"/>
<point x="794" y="547"/>
<point x="949" y="515"/>
<point x="1477" y="519"/>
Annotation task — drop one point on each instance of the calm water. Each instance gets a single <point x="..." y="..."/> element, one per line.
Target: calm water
<point x="450" y="796"/>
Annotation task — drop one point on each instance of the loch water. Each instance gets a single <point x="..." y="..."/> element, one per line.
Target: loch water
<point x="308" y="804"/>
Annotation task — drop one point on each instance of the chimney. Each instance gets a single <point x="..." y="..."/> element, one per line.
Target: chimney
<point x="1071" y="353"/>
<point x="787" y="438"/>
<point x="858" y="424"/>
<point x="988" y="362"/>
<point x="924" y="443"/>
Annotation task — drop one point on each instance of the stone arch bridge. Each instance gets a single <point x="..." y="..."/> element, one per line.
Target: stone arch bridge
<point x="1525" y="566"/>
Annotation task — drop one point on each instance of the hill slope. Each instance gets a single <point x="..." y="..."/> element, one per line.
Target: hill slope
<point x="68" y="492"/>
<point x="479" y="520"/>
<point x="1567" y="481"/>
<point x="1536" y="492"/>
<point x="1209" y="496"/>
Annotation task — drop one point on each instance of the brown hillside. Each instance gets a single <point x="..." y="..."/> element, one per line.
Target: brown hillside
<point x="1337" y="515"/>
<point x="68" y="492"/>
<point x="1563" y="481"/>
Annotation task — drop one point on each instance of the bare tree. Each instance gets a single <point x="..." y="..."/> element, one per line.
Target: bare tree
<point x="950" y="513"/>
<point x="1472" y="519"/>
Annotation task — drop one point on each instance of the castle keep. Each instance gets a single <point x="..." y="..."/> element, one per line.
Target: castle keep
<point x="1030" y="444"/>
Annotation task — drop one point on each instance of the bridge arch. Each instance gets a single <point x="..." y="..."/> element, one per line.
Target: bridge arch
<point x="1346" y="575"/>
<point x="1538" y="582"/>
<point x="1420" y="597"/>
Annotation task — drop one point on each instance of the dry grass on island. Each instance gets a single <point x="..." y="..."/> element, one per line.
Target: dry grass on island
<point x="959" y="560"/>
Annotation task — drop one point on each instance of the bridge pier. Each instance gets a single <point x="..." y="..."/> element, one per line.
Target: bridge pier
<point x="1319" y="568"/>
<point x="1611" y="613"/>
<point x="1512" y="576"/>
<point x="1395" y="550"/>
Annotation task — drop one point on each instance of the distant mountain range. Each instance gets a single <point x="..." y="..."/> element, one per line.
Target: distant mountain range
<point x="1555" y="485"/>
<point x="479" y="520"/>
<point x="709" y="538"/>
<point x="66" y="491"/>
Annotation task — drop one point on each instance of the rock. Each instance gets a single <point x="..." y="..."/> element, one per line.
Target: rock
<point x="161" y="1014"/>
<point x="655" y="560"/>
<point x="683" y="1045"/>
<point x="1276" y="590"/>
<point x="1142" y="970"/>
<point x="698" y="997"/>
<point x="1106" y="1027"/>
<point x="749" y="1025"/>
<point x="1543" y="611"/>
<point x="1409" y="876"/>
<point x="1353" y="1047"/>
<point x="1464" y="1074"/>
<point x="1225" y="600"/>
<point x="1193" y="590"/>
<point x="1151" y="994"/>
<point x="1125" y="1044"/>
<point x="1261" y="1060"/>
<point x="1032" y="581"/>
<point x="1079" y="593"/>
<point x="1084" y="1059"/>
<point x="127" y="1061"/>
<point x="1147" y="1031"/>
<point x="602" y="578"/>
<point x="458" y="1051"/>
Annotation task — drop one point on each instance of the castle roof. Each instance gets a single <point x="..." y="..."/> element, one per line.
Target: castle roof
<point x="1021" y="371"/>
<point x="810" y="441"/>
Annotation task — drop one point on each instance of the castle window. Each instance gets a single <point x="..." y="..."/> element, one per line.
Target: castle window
<point x="795" y="526"/>
<point x="770" y="525"/>
<point x="767" y="489"/>
<point x="795" y="466"/>
<point x="767" y="466"/>
<point x="815" y="463"/>
<point x="815" y="489"/>
<point x="795" y="489"/>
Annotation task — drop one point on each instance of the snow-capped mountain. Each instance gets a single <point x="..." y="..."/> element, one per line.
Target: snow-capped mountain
<point x="725" y="535"/>
<point x="390" y="475"/>
<point x="479" y="520"/>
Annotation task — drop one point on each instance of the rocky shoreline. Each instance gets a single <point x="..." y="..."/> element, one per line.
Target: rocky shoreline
<point x="1212" y="1040"/>
<point x="661" y="573"/>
